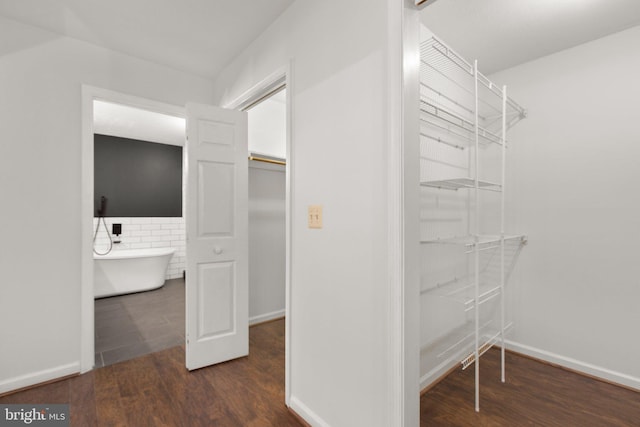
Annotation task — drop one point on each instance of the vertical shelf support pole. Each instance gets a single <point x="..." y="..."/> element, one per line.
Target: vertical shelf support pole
<point x="476" y="246"/>
<point x="502" y="228"/>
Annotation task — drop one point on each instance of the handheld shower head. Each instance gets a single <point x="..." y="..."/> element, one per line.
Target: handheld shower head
<point x="103" y="206"/>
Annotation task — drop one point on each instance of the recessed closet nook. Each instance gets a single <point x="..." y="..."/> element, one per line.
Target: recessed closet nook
<point x="467" y="253"/>
<point x="528" y="211"/>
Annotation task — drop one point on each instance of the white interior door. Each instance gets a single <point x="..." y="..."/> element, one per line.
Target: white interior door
<point x="217" y="236"/>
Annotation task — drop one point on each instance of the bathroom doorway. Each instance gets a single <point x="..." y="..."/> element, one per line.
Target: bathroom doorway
<point x="139" y="232"/>
<point x="142" y="106"/>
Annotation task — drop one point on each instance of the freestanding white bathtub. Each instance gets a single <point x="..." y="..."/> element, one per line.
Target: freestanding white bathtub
<point x="130" y="270"/>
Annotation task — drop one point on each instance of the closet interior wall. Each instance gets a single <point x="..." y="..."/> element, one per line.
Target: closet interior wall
<point x="466" y="256"/>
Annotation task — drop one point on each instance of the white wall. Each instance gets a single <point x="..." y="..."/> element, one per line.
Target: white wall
<point x="267" y="242"/>
<point x="267" y="126"/>
<point x="40" y="173"/>
<point x="574" y="174"/>
<point x="339" y="334"/>
<point x="147" y="232"/>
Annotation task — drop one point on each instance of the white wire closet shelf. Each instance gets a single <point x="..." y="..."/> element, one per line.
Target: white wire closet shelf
<point x="461" y="183"/>
<point x="483" y="241"/>
<point x="463" y="129"/>
<point x="437" y="59"/>
<point x="460" y="108"/>
<point x="462" y="291"/>
<point x="488" y="342"/>
<point x="458" y="342"/>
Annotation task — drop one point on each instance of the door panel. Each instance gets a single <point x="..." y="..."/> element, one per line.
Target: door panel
<point x="215" y="199"/>
<point x="217" y="236"/>
<point x="216" y="292"/>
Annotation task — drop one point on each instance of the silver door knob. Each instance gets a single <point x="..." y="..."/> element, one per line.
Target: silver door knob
<point x="217" y="250"/>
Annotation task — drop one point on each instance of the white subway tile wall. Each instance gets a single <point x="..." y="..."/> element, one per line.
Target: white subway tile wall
<point x="139" y="233"/>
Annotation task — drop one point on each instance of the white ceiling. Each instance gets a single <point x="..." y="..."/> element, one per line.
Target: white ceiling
<point x="505" y="33"/>
<point x="129" y="122"/>
<point x="199" y="36"/>
<point x="202" y="36"/>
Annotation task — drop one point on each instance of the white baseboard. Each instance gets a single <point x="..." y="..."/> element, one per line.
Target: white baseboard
<point x="438" y="372"/>
<point x="307" y="414"/>
<point x="446" y="365"/>
<point x="266" y="317"/>
<point x="567" y="362"/>
<point x="30" y="379"/>
<point x="575" y="365"/>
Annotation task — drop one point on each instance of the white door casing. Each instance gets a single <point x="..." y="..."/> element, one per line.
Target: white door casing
<point x="217" y="308"/>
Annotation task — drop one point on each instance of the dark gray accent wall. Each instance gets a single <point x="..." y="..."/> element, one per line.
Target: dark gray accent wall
<point x="139" y="178"/>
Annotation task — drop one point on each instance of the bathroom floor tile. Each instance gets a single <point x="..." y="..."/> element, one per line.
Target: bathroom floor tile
<point x="117" y="341"/>
<point x="127" y="326"/>
<point x="125" y="353"/>
<point x="158" y="331"/>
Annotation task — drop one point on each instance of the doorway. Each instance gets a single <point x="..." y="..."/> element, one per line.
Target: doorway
<point x="267" y="202"/>
<point x="277" y="88"/>
<point x="139" y="232"/>
<point x="94" y="99"/>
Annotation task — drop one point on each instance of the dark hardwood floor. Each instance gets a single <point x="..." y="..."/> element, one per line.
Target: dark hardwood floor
<point x="157" y="390"/>
<point x="535" y="394"/>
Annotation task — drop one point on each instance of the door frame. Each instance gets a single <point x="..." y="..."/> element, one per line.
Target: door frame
<point x="87" y="311"/>
<point x="282" y="77"/>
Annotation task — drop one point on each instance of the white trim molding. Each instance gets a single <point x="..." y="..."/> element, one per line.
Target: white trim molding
<point x="283" y="76"/>
<point x="266" y="317"/>
<point x="438" y="373"/>
<point x="396" y="392"/>
<point x="89" y="94"/>
<point x="265" y="87"/>
<point x="402" y="213"/>
<point x="578" y="366"/>
<point x="307" y="414"/>
<point x="289" y="227"/>
<point x="575" y="365"/>
<point x="35" y="378"/>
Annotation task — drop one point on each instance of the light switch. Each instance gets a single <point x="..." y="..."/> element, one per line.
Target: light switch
<point x="315" y="216"/>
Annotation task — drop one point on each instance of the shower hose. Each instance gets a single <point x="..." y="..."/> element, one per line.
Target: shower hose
<point x="101" y="218"/>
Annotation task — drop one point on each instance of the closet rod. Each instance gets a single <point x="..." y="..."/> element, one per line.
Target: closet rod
<point x="267" y="159"/>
